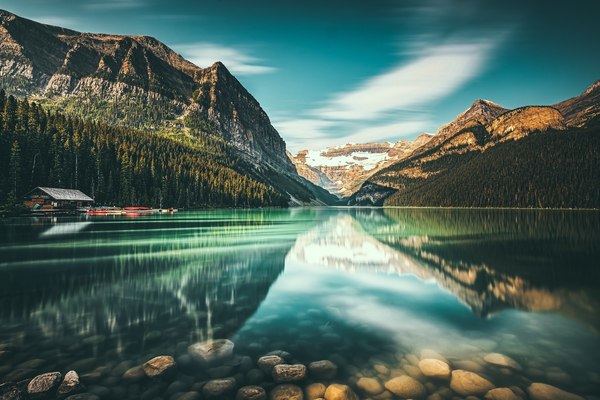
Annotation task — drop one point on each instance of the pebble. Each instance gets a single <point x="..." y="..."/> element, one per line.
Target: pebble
<point x="70" y="385"/>
<point x="43" y="384"/>
<point x="406" y="387"/>
<point x="381" y="369"/>
<point x="266" y="363"/>
<point x="251" y="393"/>
<point x="286" y="392"/>
<point x="542" y="391"/>
<point x="501" y="394"/>
<point x="323" y="369"/>
<point x="340" y="392"/>
<point x="315" y="391"/>
<point x="209" y="352"/>
<point x="434" y="368"/>
<point x="288" y="373"/>
<point x="188" y="396"/>
<point x="134" y="374"/>
<point x="159" y="366"/>
<point x="219" y="387"/>
<point x="467" y="383"/>
<point x="83" y="396"/>
<point x="369" y="386"/>
<point x="501" y="360"/>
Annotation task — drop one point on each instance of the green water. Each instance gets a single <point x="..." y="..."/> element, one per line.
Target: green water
<point x="358" y="286"/>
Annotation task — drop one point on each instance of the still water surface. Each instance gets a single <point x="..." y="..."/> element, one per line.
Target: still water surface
<point x="361" y="287"/>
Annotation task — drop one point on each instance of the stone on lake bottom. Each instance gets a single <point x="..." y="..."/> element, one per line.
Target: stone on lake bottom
<point x="323" y="369"/>
<point x="219" y="387"/>
<point x="83" y="396"/>
<point x="406" y="387"/>
<point x="370" y="386"/>
<point x="501" y="360"/>
<point x="159" y="366"/>
<point x="428" y="353"/>
<point x="134" y="374"/>
<point x="43" y="384"/>
<point x="251" y="393"/>
<point x="288" y="373"/>
<point x="286" y="392"/>
<point x="542" y="391"/>
<point x="340" y="392"/>
<point x="467" y="383"/>
<point x="434" y="368"/>
<point x="266" y="363"/>
<point x="70" y="385"/>
<point x="209" y="352"/>
<point x="315" y="391"/>
<point x="501" y="394"/>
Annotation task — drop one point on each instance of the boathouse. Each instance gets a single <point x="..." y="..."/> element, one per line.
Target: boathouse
<point x="45" y="198"/>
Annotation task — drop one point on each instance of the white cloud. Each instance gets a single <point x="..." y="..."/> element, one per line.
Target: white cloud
<point x="204" y="54"/>
<point x="434" y="74"/>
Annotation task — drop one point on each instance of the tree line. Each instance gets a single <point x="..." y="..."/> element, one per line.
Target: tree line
<point x="120" y="165"/>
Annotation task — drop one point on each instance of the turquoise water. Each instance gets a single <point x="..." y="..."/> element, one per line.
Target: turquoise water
<point x="361" y="287"/>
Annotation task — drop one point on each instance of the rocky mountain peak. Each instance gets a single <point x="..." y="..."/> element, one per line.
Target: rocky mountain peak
<point x="519" y="122"/>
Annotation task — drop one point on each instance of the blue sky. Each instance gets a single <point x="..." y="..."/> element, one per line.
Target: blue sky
<point x="332" y="72"/>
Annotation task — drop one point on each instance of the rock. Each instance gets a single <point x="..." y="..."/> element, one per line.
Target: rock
<point x="251" y="393"/>
<point x="413" y="372"/>
<point x="255" y="376"/>
<point x="266" y="363"/>
<point x="428" y="353"/>
<point x="283" y="354"/>
<point x="501" y="360"/>
<point x="176" y="387"/>
<point x="542" y="391"/>
<point x="315" y="391"/>
<point x="406" y="387"/>
<point x="467" y="383"/>
<point x="434" y="368"/>
<point x="286" y="392"/>
<point x="83" y="396"/>
<point x="159" y="366"/>
<point x="44" y="384"/>
<point x="189" y="396"/>
<point x="288" y="373"/>
<point x="134" y="374"/>
<point x="212" y="351"/>
<point x="99" y="391"/>
<point x="246" y="364"/>
<point x="70" y="385"/>
<point x="501" y="394"/>
<point x="219" y="387"/>
<point x="370" y="386"/>
<point x="381" y="369"/>
<point x="340" y="392"/>
<point x="323" y="369"/>
<point x="222" y="371"/>
<point x="13" y="391"/>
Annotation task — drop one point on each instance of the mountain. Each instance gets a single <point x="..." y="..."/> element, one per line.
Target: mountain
<point x="138" y="82"/>
<point x="341" y="170"/>
<point x="491" y="156"/>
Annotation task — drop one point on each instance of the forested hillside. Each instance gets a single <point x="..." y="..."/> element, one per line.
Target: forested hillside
<point x="117" y="165"/>
<point x="551" y="169"/>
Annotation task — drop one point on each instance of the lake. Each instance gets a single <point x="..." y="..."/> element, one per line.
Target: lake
<point x="511" y="295"/>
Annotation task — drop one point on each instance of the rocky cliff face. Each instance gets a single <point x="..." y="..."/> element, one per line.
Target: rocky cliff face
<point x="342" y="169"/>
<point x="140" y="82"/>
<point x="581" y="110"/>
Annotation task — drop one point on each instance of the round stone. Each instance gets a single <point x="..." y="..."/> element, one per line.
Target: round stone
<point x="70" y="385"/>
<point x="323" y="369"/>
<point x="134" y="374"/>
<point x="219" y="387"/>
<point x="370" y="386"/>
<point x="43" y="384"/>
<point x="501" y="394"/>
<point x="340" y="392"/>
<point x="501" y="360"/>
<point x="212" y="351"/>
<point x="286" y="392"/>
<point x="159" y="366"/>
<point x="434" y="368"/>
<point x="406" y="387"/>
<point x="288" y="373"/>
<point x="266" y="363"/>
<point x="467" y="383"/>
<point x="542" y="391"/>
<point x="315" y="391"/>
<point x="251" y="393"/>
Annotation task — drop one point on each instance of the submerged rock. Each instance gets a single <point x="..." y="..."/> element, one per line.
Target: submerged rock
<point x="501" y="394"/>
<point x="159" y="366"/>
<point x="434" y="368"/>
<point x="340" y="392"/>
<point x="209" y="352"/>
<point x="501" y="360"/>
<point x="369" y="386"/>
<point x="428" y="353"/>
<point x="286" y="392"/>
<point x="542" y="391"/>
<point x="83" y="396"/>
<point x="406" y="387"/>
<point x="44" y="384"/>
<point x="134" y="374"/>
<point x="70" y="385"/>
<point x="266" y="363"/>
<point x="467" y="383"/>
<point x="315" y="391"/>
<point x="323" y="369"/>
<point x="251" y="393"/>
<point x="288" y="373"/>
<point x="219" y="387"/>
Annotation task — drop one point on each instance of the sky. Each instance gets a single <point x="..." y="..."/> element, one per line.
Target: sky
<point x="334" y="72"/>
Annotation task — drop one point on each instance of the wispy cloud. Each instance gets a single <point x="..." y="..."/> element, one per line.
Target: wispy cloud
<point x="374" y="109"/>
<point x="237" y="61"/>
<point x="112" y="4"/>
